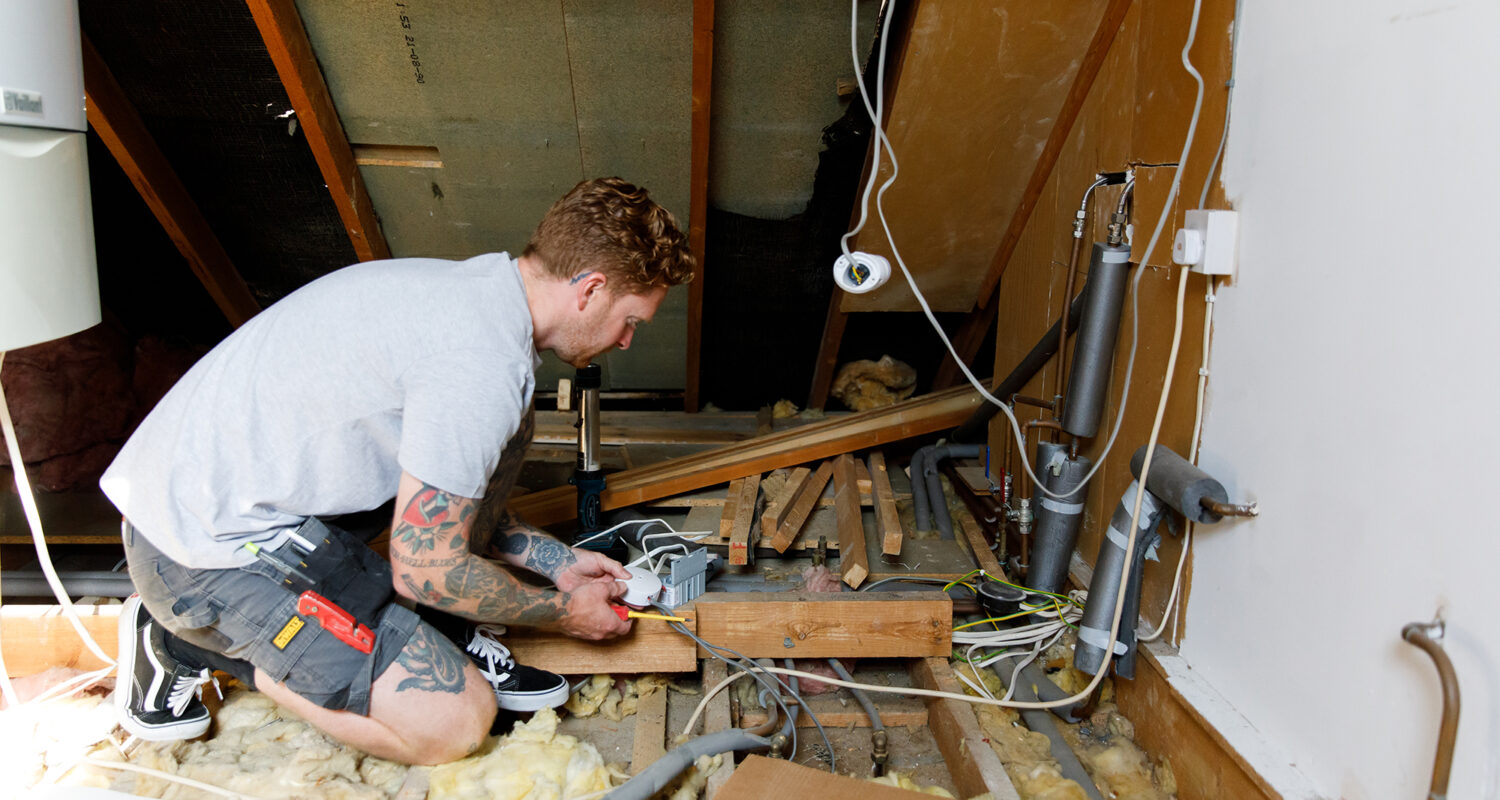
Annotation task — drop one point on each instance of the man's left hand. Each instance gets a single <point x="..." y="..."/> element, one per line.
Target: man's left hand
<point x="589" y="567"/>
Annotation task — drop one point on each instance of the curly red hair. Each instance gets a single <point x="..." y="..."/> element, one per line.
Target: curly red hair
<point x="614" y="227"/>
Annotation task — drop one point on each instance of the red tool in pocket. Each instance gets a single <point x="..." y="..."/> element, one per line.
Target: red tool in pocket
<point x="336" y="621"/>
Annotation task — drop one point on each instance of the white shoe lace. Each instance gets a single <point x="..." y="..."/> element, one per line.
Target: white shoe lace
<point x="485" y="643"/>
<point x="187" y="687"/>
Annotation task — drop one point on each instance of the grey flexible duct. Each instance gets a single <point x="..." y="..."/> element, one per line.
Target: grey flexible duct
<point x="661" y="772"/>
<point x="920" y="504"/>
<point x="924" y="471"/>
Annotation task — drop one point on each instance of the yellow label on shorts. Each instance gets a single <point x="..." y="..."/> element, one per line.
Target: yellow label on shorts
<point x="288" y="631"/>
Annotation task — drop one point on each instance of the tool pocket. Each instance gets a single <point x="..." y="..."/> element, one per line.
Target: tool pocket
<point x="346" y="571"/>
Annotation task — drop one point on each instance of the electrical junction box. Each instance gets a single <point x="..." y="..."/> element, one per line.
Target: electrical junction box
<point x="686" y="580"/>
<point x="1207" y="242"/>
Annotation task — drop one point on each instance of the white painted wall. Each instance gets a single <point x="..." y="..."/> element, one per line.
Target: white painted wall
<point x="1355" y="391"/>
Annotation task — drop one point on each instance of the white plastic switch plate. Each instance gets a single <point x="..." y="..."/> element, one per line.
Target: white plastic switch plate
<point x="1217" y="233"/>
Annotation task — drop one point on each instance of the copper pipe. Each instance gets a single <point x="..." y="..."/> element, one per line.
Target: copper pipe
<point x="1448" y="731"/>
<point x="1044" y="423"/>
<point x="1033" y="401"/>
<point x="1229" y="509"/>
<point x="1060" y="384"/>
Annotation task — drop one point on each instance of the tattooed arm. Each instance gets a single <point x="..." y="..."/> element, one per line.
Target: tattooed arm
<point x="431" y="564"/>
<point x="521" y="545"/>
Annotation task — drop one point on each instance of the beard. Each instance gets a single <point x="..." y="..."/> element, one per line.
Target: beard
<point x="574" y="346"/>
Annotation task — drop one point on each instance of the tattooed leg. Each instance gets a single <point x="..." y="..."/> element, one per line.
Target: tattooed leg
<point x="434" y="662"/>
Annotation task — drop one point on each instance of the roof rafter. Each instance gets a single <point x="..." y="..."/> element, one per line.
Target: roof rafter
<point x="286" y="40"/>
<point x="115" y="120"/>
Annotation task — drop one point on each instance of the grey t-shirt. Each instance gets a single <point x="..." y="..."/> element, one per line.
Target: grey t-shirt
<point x="316" y="405"/>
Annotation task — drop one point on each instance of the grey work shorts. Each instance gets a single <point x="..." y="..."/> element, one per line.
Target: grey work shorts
<point x="248" y="614"/>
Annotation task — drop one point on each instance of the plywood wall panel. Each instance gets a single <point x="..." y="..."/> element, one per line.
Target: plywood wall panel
<point x="979" y="92"/>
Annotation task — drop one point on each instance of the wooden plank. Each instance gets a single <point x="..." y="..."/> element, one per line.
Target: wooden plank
<point x="887" y="520"/>
<point x="731" y="505"/>
<point x="286" y="40"/>
<point x="827" y="625"/>
<point x="715" y="719"/>
<point x="651" y="646"/>
<point x="984" y="557"/>
<point x="865" y="429"/>
<point x="114" y="118"/>
<point x="801" y="506"/>
<point x="1078" y="92"/>
<point x="650" y="730"/>
<point x="703" y="65"/>
<point x="1203" y="762"/>
<point x="397" y="155"/>
<point x="862" y="477"/>
<point x="854" y="564"/>
<point x="778" y="506"/>
<point x="38" y="638"/>
<point x="743" y="520"/>
<point x="975" y="767"/>
<point x="828" y="353"/>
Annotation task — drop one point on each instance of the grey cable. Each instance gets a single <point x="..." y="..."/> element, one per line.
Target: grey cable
<point x="864" y="699"/>
<point x="756" y="673"/>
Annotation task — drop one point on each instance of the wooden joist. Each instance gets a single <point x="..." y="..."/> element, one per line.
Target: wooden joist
<point x="800" y="506"/>
<point x="717" y="718"/>
<point x="38" y="638"/>
<point x="778" y="506"/>
<point x="887" y="520"/>
<point x="114" y="118"/>
<point x="854" y="563"/>
<point x="742" y="500"/>
<point x="873" y="428"/>
<point x="975" y="767"/>
<point x="286" y="40"/>
<point x="650" y="730"/>
<point x="651" y="646"/>
<point x="827" y="624"/>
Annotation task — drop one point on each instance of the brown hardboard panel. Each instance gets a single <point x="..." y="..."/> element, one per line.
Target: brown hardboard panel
<point x="979" y="90"/>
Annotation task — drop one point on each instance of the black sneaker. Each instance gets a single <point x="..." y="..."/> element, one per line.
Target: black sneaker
<point x="517" y="687"/>
<point x="156" y="696"/>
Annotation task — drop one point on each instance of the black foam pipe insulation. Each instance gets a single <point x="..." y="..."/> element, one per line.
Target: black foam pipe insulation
<point x="1180" y="484"/>
<point x="1104" y="588"/>
<point x="976" y="427"/>
<point x="1057" y="520"/>
<point x="1094" y="347"/>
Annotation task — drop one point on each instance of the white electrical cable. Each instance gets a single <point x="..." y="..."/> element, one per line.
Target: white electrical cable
<point x="33" y="518"/>
<point x="882" y="141"/>
<point x="1187" y="536"/>
<point x="1135" y="328"/>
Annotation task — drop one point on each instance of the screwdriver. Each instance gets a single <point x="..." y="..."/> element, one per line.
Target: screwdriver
<point x="630" y="613"/>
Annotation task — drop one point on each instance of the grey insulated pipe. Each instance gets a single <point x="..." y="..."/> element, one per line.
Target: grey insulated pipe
<point x="1099" y="614"/>
<point x="86" y="583"/>
<point x="933" y="501"/>
<point x="664" y="769"/>
<point x="1057" y="519"/>
<point x="1031" y="683"/>
<point x="1094" y="347"/>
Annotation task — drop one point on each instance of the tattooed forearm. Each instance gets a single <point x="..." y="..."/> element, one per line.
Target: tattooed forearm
<point x="427" y="593"/>
<point x="499" y="597"/>
<point x="521" y="545"/>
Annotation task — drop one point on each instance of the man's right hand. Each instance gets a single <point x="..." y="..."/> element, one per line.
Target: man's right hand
<point x="588" y="615"/>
